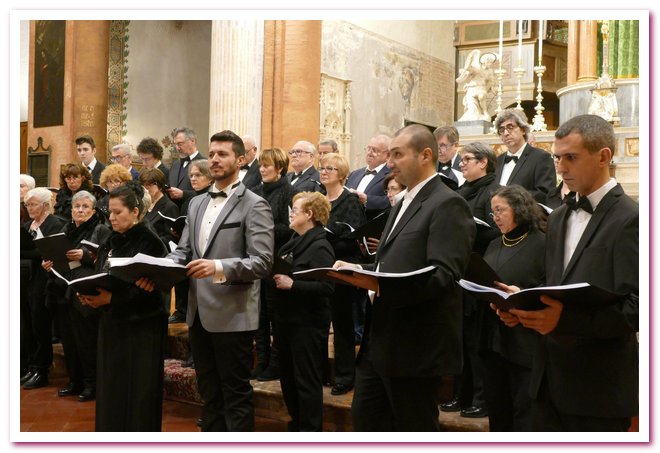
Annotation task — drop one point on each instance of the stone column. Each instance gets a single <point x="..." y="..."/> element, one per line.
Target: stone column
<point x="587" y="69"/>
<point x="236" y="77"/>
<point x="573" y="51"/>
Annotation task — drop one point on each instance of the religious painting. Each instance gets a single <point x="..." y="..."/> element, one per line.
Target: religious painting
<point x="49" y="73"/>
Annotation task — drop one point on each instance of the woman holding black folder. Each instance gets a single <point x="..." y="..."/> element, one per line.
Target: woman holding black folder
<point x="517" y="256"/>
<point x="302" y="313"/>
<point x="133" y="326"/>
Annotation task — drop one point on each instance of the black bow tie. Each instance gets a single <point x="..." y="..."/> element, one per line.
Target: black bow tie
<point x="297" y="175"/>
<point x="583" y="203"/>
<point x="510" y="158"/>
<point x="445" y="164"/>
<point x="185" y="159"/>
<point x="217" y="194"/>
<point x="370" y="172"/>
<point x="245" y="167"/>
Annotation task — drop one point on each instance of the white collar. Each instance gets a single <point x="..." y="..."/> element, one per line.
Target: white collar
<point x="597" y="195"/>
<point x="412" y="193"/>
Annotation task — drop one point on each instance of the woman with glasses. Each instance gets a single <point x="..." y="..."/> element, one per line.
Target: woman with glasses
<point x="36" y="347"/>
<point x="78" y="325"/>
<point x="518" y="258"/>
<point x="112" y="176"/>
<point x="302" y="312"/>
<point x="73" y="177"/>
<point x="346" y="214"/>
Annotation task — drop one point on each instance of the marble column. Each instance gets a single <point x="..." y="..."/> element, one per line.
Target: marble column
<point x="236" y="77"/>
<point x="573" y="52"/>
<point x="588" y="52"/>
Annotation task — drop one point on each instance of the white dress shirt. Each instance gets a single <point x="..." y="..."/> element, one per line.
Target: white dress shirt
<point x="366" y="179"/>
<point x="509" y="166"/>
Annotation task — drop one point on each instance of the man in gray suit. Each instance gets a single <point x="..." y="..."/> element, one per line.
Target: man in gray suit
<point x="227" y="245"/>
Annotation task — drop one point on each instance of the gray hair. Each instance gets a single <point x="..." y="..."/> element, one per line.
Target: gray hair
<point x="482" y="150"/>
<point x="28" y="181"/>
<point x="189" y="133"/>
<point x="41" y="194"/>
<point x="123" y="147"/>
<point x="202" y="165"/>
<point x="85" y="195"/>
<point x="516" y="115"/>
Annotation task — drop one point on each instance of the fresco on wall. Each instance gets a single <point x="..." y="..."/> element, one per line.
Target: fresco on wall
<point x="49" y="73"/>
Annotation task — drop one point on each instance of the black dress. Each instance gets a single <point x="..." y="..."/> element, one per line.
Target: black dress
<point x="158" y="223"/>
<point x="478" y="193"/>
<point x="131" y="343"/>
<point x="508" y="352"/>
<point x="302" y="315"/>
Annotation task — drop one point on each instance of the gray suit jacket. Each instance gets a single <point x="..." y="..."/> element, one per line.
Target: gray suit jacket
<point x="242" y="237"/>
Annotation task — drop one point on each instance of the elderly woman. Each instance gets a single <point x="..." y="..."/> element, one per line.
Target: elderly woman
<point x="518" y="258"/>
<point x="73" y="177"/>
<point x="112" y="176"/>
<point x="154" y="181"/>
<point x="346" y="210"/>
<point x="277" y="191"/>
<point x="36" y="347"/>
<point x="78" y="326"/>
<point x="200" y="180"/>
<point x="27" y="183"/>
<point x="132" y="328"/>
<point x="302" y="313"/>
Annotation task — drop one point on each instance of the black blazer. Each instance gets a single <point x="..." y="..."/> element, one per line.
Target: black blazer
<point x="535" y="171"/>
<point x="478" y="194"/>
<point x="521" y="265"/>
<point x="590" y="361"/>
<point x="165" y="171"/>
<point x="96" y="173"/>
<point x="253" y="176"/>
<point x="159" y="224"/>
<point x="377" y="200"/>
<point x="415" y="329"/>
<point x="178" y="176"/>
<point x="308" y="182"/>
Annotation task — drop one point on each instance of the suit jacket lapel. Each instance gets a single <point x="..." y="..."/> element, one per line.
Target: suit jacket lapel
<point x="592" y="227"/>
<point x="222" y="217"/>
<point x="377" y="179"/>
<point x="197" y="225"/>
<point x="519" y="164"/>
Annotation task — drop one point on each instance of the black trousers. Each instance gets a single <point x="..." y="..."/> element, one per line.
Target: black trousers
<point x="382" y="403"/>
<point x="507" y="394"/>
<point x="36" y="325"/>
<point x="181" y="296"/>
<point x="267" y="354"/>
<point x="300" y="375"/>
<point x="341" y="304"/>
<point x="546" y="417"/>
<point x="223" y="361"/>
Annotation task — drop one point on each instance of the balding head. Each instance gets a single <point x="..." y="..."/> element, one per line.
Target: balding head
<point x="378" y="150"/>
<point x="250" y="148"/>
<point x="302" y="155"/>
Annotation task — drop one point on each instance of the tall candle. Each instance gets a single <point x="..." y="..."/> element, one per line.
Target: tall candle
<point x="540" y="41"/>
<point x="501" y="35"/>
<point x="520" y="43"/>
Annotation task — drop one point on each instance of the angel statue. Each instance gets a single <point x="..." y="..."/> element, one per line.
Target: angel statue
<point x="478" y="76"/>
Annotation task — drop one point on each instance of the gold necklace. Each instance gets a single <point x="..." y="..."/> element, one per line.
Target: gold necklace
<point x="513" y="242"/>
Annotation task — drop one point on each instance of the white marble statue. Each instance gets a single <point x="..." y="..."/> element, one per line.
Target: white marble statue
<point x="479" y="79"/>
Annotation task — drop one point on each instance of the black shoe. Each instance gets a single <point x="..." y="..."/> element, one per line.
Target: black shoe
<point x="37" y="380"/>
<point x="269" y="374"/>
<point x="89" y="394"/>
<point x="176" y="318"/>
<point x="26" y="377"/>
<point x="70" y="390"/>
<point x="199" y="422"/>
<point x="340" y="389"/>
<point x="451" y="406"/>
<point x="260" y="368"/>
<point x="474" y="412"/>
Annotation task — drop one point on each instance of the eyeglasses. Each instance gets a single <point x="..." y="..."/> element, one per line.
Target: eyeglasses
<point x="295" y="211"/>
<point x="328" y="169"/>
<point x="445" y="146"/>
<point x="33" y="205"/>
<point x="295" y="152"/>
<point x="466" y="160"/>
<point x="508" y="128"/>
<point x="117" y="158"/>
<point x="372" y="150"/>
<point x="72" y="177"/>
<point x="497" y="212"/>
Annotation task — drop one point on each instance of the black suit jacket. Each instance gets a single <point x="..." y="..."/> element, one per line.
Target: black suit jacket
<point x="308" y="182"/>
<point x="590" y="361"/>
<point x="414" y="328"/>
<point x="253" y="176"/>
<point x="165" y="171"/>
<point x="377" y="200"/>
<point x="535" y="171"/>
<point x="178" y="175"/>
<point x="96" y="173"/>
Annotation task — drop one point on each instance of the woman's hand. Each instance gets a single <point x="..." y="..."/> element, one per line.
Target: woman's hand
<point x="283" y="281"/>
<point x="509" y="289"/>
<point x="103" y="298"/>
<point x="47" y="265"/>
<point x="145" y="284"/>
<point x="74" y="255"/>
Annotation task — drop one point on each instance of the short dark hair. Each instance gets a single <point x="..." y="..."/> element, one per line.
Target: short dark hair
<point x="237" y="144"/>
<point x="526" y="210"/>
<point x="596" y="133"/>
<point x="450" y="131"/>
<point x="332" y="143"/>
<point x="420" y="139"/>
<point x="388" y="178"/>
<point x="151" y="146"/>
<point x="482" y="150"/>
<point x="153" y="176"/>
<point x="130" y="195"/>
<point x="86" y="139"/>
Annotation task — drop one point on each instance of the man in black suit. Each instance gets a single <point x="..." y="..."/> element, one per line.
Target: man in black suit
<point x="585" y="376"/>
<point x="304" y="176"/>
<point x="448" y="158"/>
<point x="86" y="149"/>
<point x="522" y="164"/>
<point x="326" y="147"/>
<point x="121" y="154"/>
<point x="250" y="174"/>
<point x="367" y="182"/>
<point x="151" y="154"/>
<point x="413" y="328"/>
<point x="185" y="141"/>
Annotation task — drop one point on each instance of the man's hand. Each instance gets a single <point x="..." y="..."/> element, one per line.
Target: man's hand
<point x="340" y="263"/>
<point x="506" y="317"/>
<point x="47" y="265"/>
<point x="201" y="268"/>
<point x="543" y="321"/>
<point x="175" y="193"/>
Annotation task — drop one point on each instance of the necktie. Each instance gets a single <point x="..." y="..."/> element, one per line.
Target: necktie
<point x="369" y="172"/>
<point x="217" y="194"/>
<point x="510" y="158"/>
<point x="583" y="203"/>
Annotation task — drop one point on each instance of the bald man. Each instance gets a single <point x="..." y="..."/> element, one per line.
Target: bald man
<point x="249" y="173"/>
